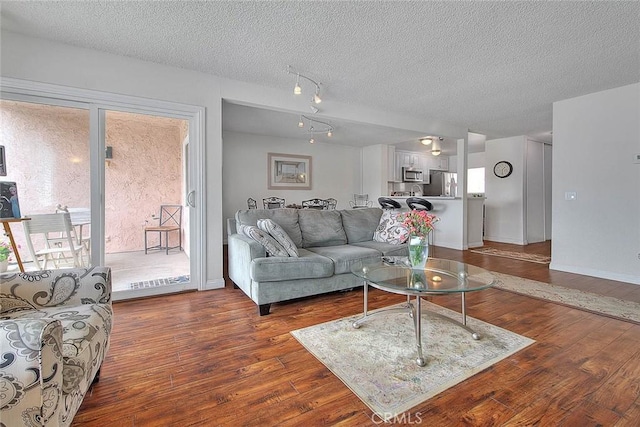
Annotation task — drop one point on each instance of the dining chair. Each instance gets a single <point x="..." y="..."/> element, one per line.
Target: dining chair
<point x="252" y="204"/>
<point x="320" y="204"/>
<point x="170" y="221"/>
<point x="360" y="201"/>
<point x="57" y="240"/>
<point x="331" y="203"/>
<point x="273" y="202"/>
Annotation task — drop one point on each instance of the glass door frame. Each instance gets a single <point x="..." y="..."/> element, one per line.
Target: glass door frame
<point x="98" y="103"/>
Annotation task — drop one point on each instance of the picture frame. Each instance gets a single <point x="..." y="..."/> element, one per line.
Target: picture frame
<point x="3" y="166"/>
<point x="289" y="172"/>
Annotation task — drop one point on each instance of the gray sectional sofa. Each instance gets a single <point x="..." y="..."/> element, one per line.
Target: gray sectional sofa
<point x="328" y="241"/>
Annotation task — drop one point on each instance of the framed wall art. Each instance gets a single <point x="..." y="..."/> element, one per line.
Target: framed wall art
<point x="289" y="172"/>
<point x="3" y="166"/>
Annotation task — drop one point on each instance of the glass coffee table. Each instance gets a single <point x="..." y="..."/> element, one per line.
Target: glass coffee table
<point x="439" y="277"/>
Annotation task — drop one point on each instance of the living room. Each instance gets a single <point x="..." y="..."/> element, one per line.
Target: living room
<point x="594" y="131"/>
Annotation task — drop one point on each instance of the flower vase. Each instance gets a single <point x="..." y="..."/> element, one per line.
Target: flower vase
<point x="418" y="251"/>
<point x="4" y="265"/>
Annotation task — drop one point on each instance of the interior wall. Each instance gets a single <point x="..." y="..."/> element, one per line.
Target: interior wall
<point x="335" y="170"/>
<point x="595" y="140"/>
<point x="504" y="206"/>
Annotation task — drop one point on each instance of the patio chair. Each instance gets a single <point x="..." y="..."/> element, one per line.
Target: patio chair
<point x="57" y="240"/>
<point x="170" y="221"/>
<point x="80" y="217"/>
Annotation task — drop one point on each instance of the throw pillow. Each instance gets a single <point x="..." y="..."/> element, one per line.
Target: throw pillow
<point x="272" y="247"/>
<point x="390" y="228"/>
<point x="280" y="235"/>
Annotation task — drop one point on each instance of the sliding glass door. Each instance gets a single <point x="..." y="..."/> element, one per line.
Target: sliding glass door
<point x="112" y="170"/>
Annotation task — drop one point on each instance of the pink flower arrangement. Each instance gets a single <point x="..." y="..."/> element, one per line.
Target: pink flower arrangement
<point x="419" y="222"/>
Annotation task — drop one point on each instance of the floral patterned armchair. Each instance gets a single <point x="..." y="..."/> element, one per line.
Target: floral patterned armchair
<point x="55" y="327"/>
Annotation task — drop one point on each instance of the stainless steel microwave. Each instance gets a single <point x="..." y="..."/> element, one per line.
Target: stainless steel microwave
<point x="411" y="175"/>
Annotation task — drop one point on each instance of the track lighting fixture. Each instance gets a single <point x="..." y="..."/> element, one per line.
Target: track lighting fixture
<point x="316" y="127"/>
<point x="297" y="90"/>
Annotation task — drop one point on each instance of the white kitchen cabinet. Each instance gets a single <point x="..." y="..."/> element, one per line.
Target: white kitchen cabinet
<point x="438" y="163"/>
<point x="393" y="173"/>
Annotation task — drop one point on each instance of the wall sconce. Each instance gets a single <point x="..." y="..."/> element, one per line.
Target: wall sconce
<point x="297" y="90"/>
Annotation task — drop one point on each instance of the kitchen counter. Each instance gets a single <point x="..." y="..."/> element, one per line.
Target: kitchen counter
<point x="448" y="230"/>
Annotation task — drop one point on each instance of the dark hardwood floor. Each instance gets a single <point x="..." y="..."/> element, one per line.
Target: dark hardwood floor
<point x="208" y="359"/>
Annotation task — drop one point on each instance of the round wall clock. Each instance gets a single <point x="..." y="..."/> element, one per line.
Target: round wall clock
<point x="502" y="169"/>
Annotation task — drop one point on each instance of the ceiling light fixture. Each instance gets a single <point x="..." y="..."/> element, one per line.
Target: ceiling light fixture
<point x="435" y="148"/>
<point x="300" y="123"/>
<point x="316" y="127"/>
<point x="426" y="141"/>
<point x="297" y="90"/>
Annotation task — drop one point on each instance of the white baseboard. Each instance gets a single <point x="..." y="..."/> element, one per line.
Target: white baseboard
<point x="627" y="278"/>
<point x="213" y="284"/>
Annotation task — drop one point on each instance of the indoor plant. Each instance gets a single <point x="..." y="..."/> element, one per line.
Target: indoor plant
<point x="419" y="223"/>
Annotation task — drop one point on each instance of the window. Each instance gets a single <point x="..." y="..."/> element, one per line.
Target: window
<point x="475" y="180"/>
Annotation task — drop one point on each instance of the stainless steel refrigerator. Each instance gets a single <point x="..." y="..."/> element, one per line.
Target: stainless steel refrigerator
<point x="441" y="184"/>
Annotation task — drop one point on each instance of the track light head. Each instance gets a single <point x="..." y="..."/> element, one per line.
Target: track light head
<point x="297" y="90"/>
<point x="311" y="141"/>
<point x="316" y="96"/>
<point x="313" y="109"/>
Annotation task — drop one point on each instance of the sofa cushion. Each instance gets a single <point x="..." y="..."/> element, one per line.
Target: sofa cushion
<point x="344" y="256"/>
<point x="387" y="249"/>
<point x="391" y="230"/>
<point x="270" y="244"/>
<point x="360" y="224"/>
<point x="321" y="228"/>
<point x="279" y="234"/>
<point x="307" y="265"/>
<point x="285" y="218"/>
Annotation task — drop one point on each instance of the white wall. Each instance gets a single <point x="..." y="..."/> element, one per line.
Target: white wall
<point x="335" y="171"/>
<point x="504" y="206"/>
<point x="595" y="138"/>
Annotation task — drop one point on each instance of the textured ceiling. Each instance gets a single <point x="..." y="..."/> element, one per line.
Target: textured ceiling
<point x="494" y="67"/>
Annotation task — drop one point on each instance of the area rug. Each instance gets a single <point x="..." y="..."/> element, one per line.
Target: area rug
<point x="159" y="282"/>
<point x="594" y="303"/>
<point x="377" y="361"/>
<point x="521" y="256"/>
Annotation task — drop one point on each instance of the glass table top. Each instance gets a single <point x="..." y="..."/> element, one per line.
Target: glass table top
<point x="440" y="276"/>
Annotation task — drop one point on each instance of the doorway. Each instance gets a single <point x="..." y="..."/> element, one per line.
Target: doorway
<point x="71" y="162"/>
<point x="144" y="170"/>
